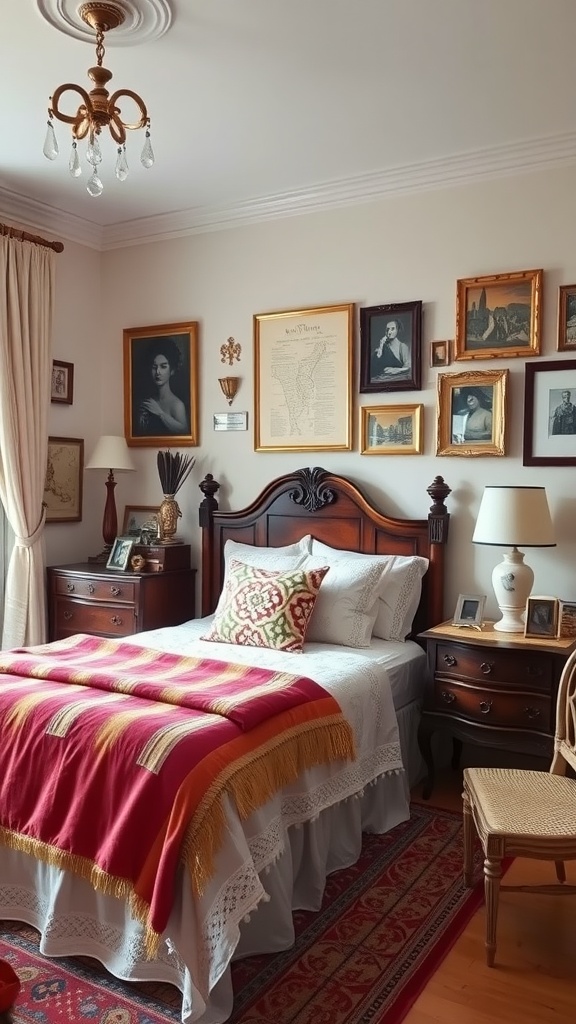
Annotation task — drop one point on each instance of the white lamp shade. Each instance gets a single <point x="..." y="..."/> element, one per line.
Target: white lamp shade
<point x="111" y="453"/>
<point x="514" y="517"/>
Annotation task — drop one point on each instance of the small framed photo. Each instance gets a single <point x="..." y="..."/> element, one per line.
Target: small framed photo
<point x="120" y="553"/>
<point x="567" y="619"/>
<point x="469" y="610"/>
<point x="499" y="316"/>
<point x="541" y="617"/>
<point x="472" y="413"/>
<point x="135" y="517"/>
<point x="391" y="430"/>
<point x="390" y="358"/>
<point x="62" y="382"/>
<point x="566" y="318"/>
<point x="440" y="353"/>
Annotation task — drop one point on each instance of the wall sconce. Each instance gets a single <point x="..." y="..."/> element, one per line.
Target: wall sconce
<point x="229" y="387"/>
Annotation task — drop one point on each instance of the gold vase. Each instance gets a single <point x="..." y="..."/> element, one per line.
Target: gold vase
<point x="168" y="515"/>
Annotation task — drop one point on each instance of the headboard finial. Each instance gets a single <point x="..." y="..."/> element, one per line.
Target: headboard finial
<point x="438" y="517"/>
<point x="311" y="492"/>
<point x="209" y="486"/>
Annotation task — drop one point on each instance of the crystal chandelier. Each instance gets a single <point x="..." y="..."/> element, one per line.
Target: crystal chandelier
<point x="98" y="109"/>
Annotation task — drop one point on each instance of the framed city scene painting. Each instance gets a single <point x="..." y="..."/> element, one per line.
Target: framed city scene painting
<point x="161" y="385"/>
<point x="550" y="413"/>
<point x="567" y="318"/>
<point x="472" y="413"/>
<point x="499" y="316"/>
<point x="390" y="338"/>
<point x="391" y="430"/>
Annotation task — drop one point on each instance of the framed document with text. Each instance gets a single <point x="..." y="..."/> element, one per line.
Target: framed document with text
<point x="303" y="379"/>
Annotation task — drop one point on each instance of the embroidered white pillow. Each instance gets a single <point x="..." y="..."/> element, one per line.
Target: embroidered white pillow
<point x="346" y="607"/>
<point x="400" y="587"/>
<point x="288" y="556"/>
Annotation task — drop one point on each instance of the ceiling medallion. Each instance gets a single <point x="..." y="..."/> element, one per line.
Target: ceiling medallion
<point x="150" y="20"/>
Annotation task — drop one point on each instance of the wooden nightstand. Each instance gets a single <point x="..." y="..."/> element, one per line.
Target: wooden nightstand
<point x="88" y="598"/>
<point x="493" y="689"/>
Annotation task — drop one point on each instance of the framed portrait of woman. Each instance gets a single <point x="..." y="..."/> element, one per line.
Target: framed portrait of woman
<point x="390" y="357"/>
<point x="161" y="385"/>
<point x="472" y="413"/>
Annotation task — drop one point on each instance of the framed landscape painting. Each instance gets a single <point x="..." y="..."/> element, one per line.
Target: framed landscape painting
<point x="63" y="483"/>
<point x="499" y="316"/>
<point x="391" y="430"/>
<point x="390" y="347"/>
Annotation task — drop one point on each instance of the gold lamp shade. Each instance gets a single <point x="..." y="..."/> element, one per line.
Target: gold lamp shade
<point x="229" y="387"/>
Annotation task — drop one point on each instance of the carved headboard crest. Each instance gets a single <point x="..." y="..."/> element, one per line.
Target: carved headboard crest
<point x="311" y="492"/>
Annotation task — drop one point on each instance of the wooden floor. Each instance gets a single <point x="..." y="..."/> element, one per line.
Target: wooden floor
<point x="534" y="980"/>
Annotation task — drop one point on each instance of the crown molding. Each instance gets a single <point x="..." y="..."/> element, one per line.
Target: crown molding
<point x="464" y="168"/>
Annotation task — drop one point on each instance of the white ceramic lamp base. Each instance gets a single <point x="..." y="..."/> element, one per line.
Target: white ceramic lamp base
<point x="512" y="581"/>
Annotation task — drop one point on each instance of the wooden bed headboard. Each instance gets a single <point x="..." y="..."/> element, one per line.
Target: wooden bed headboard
<point x="334" y="511"/>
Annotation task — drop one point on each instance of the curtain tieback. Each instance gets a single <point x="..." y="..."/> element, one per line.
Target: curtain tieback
<point x="28" y="542"/>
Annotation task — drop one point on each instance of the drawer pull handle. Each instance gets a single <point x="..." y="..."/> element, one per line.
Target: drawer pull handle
<point x="116" y="620"/>
<point x="447" y="697"/>
<point x="115" y="591"/>
<point x="67" y="616"/>
<point x="485" y="707"/>
<point x="532" y="712"/>
<point x="91" y="588"/>
<point x="70" y="588"/>
<point x="450" y="660"/>
<point x="486" y="667"/>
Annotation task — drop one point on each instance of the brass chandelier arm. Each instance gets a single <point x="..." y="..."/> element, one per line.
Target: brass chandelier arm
<point x="67" y="118"/>
<point x="112" y="103"/>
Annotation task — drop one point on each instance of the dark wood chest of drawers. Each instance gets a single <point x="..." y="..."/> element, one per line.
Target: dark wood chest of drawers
<point x="88" y="598"/>
<point x="492" y="689"/>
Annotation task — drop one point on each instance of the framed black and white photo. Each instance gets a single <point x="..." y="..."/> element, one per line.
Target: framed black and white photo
<point x="469" y="610"/>
<point x="120" y="553"/>
<point x="541" y="617"/>
<point x="161" y="385"/>
<point x="550" y="413"/>
<point x="390" y="347"/>
<point x="471" y="414"/>
<point x="62" y="387"/>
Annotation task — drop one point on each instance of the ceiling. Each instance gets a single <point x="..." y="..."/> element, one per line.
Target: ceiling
<point x="260" y="108"/>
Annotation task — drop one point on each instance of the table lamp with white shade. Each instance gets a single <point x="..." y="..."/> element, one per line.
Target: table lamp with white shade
<point x="111" y="453"/>
<point x="513" y="517"/>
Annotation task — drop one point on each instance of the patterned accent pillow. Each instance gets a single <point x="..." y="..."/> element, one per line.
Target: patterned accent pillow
<point x="262" y="608"/>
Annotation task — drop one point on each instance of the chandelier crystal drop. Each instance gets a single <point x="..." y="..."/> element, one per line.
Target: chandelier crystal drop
<point x="98" y="109"/>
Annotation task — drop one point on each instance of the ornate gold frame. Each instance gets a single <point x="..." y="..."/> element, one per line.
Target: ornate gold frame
<point x="385" y="417"/>
<point x="507" y="290"/>
<point x="137" y="382"/>
<point x="448" y="384"/>
<point x="287" y="347"/>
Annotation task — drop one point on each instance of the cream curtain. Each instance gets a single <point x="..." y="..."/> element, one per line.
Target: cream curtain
<point x="27" y="273"/>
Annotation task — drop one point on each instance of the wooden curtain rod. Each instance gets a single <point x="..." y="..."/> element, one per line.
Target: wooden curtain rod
<point x="25" y="236"/>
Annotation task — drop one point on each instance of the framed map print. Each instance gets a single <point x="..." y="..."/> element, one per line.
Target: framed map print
<point x="63" y="484"/>
<point x="303" y="379"/>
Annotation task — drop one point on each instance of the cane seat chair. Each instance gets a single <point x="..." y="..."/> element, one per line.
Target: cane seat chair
<point x="525" y="813"/>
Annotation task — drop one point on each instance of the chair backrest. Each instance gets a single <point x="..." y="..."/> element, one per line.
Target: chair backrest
<point x="565" y="735"/>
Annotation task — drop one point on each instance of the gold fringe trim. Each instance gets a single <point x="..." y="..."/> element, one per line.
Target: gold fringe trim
<point x="255" y="778"/>
<point x="100" y="880"/>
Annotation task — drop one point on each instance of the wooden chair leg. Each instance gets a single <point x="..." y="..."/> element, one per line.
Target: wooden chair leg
<point x="492" y="876"/>
<point x="468" y="826"/>
<point x="560" y="870"/>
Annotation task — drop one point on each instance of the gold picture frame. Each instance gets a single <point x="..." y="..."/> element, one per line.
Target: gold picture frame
<point x="161" y="385"/>
<point x="64" y="477"/>
<point x="135" y="516"/>
<point x="391" y="430"/>
<point x="473" y="393"/>
<point x="566" y="341"/>
<point x="499" y="316"/>
<point x="303" y="379"/>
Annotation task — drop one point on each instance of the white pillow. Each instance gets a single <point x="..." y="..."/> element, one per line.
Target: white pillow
<point x="289" y="556"/>
<point x="399" y="591"/>
<point x="347" y="604"/>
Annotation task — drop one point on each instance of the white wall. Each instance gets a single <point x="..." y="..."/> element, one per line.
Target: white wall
<point x="399" y="249"/>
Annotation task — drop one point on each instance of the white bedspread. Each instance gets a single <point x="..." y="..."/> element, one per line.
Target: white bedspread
<point x="262" y="864"/>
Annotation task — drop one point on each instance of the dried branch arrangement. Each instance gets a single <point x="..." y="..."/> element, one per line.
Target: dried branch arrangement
<point x="173" y="470"/>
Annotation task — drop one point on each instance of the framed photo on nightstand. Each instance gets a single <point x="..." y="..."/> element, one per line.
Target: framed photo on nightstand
<point x="469" y="610"/>
<point x="541" y="617"/>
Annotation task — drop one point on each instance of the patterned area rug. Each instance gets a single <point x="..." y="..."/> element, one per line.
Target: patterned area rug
<point x="385" y="925"/>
